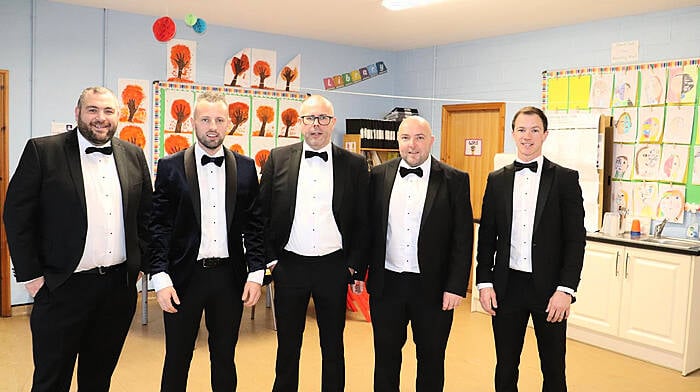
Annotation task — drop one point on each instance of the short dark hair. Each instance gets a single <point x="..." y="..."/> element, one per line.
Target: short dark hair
<point x="95" y="90"/>
<point x="531" y="110"/>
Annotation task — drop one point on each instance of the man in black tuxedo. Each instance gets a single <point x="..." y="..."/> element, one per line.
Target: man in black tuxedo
<point x="532" y="221"/>
<point x="422" y="236"/>
<point x="202" y="213"/>
<point x="314" y="198"/>
<point x="76" y="217"/>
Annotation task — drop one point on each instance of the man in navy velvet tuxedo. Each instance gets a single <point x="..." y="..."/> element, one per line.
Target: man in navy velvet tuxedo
<point x="203" y="213"/>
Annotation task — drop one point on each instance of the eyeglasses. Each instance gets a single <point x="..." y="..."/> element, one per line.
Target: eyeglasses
<point x="322" y="119"/>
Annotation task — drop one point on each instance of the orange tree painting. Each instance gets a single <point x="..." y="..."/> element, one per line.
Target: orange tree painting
<point x="261" y="158"/>
<point x="238" y="66"/>
<point x="289" y="118"/>
<point x="265" y="115"/>
<point x="262" y="70"/>
<point x="132" y="97"/>
<point x="237" y="148"/>
<point x="175" y="143"/>
<point x="134" y="135"/>
<point x="289" y="75"/>
<point x="180" y="112"/>
<point x="180" y="57"/>
<point x="238" y="112"/>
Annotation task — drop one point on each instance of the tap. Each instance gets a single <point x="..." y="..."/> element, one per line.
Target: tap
<point x="659" y="228"/>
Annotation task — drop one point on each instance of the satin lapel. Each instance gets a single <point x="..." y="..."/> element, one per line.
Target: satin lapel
<point x="434" y="183"/>
<point x="73" y="158"/>
<point x="390" y="174"/>
<point x="546" y="179"/>
<point x="120" y="161"/>
<point x="509" y="179"/>
<point x="340" y="169"/>
<point x="293" y="178"/>
<point x="231" y="186"/>
<point x="193" y="183"/>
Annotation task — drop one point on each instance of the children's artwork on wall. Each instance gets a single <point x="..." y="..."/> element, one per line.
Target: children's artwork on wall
<point x="289" y="126"/>
<point x="682" y="84"/>
<point x="360" y="75"/>
<point x="602" y="112"/>
<point x="290" y="76"/>
<point x="645" y="198"/>
<point x="579" y="92"/>
<point x="696" y="166"/>
<point x="625" y="91"/>
<point x="601" y="90"/>
<point x="671" y="203"/>
<point x="182" y="61"/>
<point x="134" y="112"/>
<point x="623" y="156"/>
<point x="263" y="65"/>
<point x="179" y="106"/>
<point x="264" y="122"/>
<point x="674" y="162"/>
<point x="678" y="124"/>
<point x="653" y="89"/>
<point x="622" y="196"/>
<point x="625" y="124"/>
<point x="650" y="126"/>
<point x="646" y="161"/>
<point x="558" y="92"/>
<point x="239" y="113"/>
<point x="260" y="149"/>
<point x="237" y="69"/>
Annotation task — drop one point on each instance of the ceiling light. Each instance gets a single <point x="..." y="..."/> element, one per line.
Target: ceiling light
<point x="398" y="5"/>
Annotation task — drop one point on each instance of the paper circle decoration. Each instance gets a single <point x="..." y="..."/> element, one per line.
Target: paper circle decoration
<point x="190" y="19"/>
<point x="200" y="26"/>
<point x="164" y="29"/>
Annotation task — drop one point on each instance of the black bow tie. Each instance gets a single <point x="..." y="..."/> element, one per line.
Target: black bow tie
<point x="310" y="154"/>
<point x="404" y="171"/>
<point x="520" y="166"/>
<point x="105" y="150"/>
<point x="216" y="160"/>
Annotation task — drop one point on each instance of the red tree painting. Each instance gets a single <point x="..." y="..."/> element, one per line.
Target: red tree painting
<point x="180" y="57"/>
<point x="238" y="66"/>
<point x="261" y="158"/>
<point x="175" y="143"/>
<point x="134" y="135"/>
<point x="132" y="96"/>
<point x="289" y="75"/>
<point x="237" y="148"/>
<point x="289" y="117"/>
<point x="262" y="70"/>
<point x="180" y="112"/>
<point x="265" y="115"/>
<point x="238" y="112"/>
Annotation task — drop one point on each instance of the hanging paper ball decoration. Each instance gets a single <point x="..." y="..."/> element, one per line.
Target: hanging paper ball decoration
<point x="200" y="26"/>
<point x="164" y="29"/>
<point x="190" y="19"/>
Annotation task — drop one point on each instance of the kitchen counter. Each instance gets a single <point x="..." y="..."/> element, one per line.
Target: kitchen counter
<point x="664" y="244"/>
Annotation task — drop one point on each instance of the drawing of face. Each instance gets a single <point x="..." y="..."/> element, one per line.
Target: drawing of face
<point x="624" y="94"/>
<point x="671" y="205"/>
<point x="678" y="86"/>
<point x="620" y="200"/>
<point x="599" y="91"/>
<point x="650" y="128"/>
<point x="647" y="161"/>
<point x="623" y="124"/>
<point x="621" y="165"/>
<point x="671" y="166"/>
<point x="653" y="90"/>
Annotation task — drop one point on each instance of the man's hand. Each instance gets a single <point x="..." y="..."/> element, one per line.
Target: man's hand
<point x="450" y="301"/>
<point x="251" y="293"/>
<point x="166" y="296"/>
<point x="558" y="307"/>
<point x="487" y="298"/>
<point x="34" y="286"/>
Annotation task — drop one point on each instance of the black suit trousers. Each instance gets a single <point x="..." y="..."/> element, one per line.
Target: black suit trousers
<point x="215" y="292"/>
<point x="88" y="317"/>
<point x="402" y="302"/>
<point x="509" y="325"/>
<point x="298" y="278"/>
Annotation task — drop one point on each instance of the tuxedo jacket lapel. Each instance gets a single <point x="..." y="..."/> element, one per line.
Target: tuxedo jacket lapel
<point x="231" y="185"/>
<point x="546" y="179"/>
<point x="76" y="173"/>
<point x="193" y="183"/>
<point x="340" y="169"/>
<point x="293" y="178"/>
<point x="509" y="180"/>
<point x="119" y="160"/>
<point x="436" y="177"/>
<point x="388" y="184"/>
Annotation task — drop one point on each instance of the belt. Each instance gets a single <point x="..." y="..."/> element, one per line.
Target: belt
<point x="102" y="270"/>
<point x="212" y="262"/>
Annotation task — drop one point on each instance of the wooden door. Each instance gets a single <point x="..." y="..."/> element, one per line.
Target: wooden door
<point x="5" y="298"/>
<point x="471" y="135"/>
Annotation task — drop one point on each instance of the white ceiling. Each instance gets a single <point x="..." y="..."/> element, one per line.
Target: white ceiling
<point x="366" y="23"/>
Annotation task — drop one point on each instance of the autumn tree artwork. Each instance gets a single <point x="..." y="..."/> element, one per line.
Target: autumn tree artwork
<point x="289" y="75"/>
<point x="134" y="135"/>
<point x="265" y="115"/>
<point x="262" y="70"/>
<point x="175" y="143"/>
<point x="180" y="111"/>
<point x="180" y="57"/>
<point x="238" y="66"/>
<point x="238" y="112"/>
<point x="132" y="97"/>
<point x="289" y="117"/>
<point x="261" y="157"/>
<point x="237" y="148"/>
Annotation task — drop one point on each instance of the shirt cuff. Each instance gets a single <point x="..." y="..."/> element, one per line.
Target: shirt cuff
<point x="484" y="285"/>
<point x="161" y="280"/>
<point x="30" y="281"/>
<point x="272" y="263"/>
<point x="566" y="290"/>
<point x="256" y="276"/>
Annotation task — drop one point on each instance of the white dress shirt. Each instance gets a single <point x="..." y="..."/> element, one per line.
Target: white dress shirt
<point x="314" y="229"/>
<point x="405" y="212"/>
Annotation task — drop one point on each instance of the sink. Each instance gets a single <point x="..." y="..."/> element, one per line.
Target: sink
<point x="677" y="242"/>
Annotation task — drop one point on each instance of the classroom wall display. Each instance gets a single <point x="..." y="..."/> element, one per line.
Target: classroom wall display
<point x="134" y="112"/>
<point x="237" y="69"/>
<point x="256" y="125"/>
<point x="182" y="61"/>
<point x="289" y="78"/>
<point x="355" y="76"/>
<point x="654" y="106"/>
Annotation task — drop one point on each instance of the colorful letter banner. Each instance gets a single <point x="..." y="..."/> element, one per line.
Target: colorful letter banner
<point x="354" y="76"/>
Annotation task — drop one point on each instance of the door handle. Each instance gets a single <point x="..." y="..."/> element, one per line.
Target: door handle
<point x="627" y="260"/>
<point x="617" y="263"/>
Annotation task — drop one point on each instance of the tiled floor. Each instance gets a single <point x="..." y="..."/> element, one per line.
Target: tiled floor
<point x="469" y="367"/>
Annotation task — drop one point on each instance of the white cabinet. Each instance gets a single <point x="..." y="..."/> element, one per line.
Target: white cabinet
<point x="643" y="303"/>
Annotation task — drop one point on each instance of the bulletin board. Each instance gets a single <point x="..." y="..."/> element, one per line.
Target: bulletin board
<point x="261" y="119"/>
<point x="654" y="107"/>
